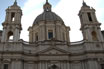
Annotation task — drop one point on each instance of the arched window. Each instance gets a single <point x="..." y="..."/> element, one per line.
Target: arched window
<point x="94" y="36"/>
<point x="10" y="36"/>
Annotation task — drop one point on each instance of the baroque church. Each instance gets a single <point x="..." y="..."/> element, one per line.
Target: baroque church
<point x="49" y="45"/>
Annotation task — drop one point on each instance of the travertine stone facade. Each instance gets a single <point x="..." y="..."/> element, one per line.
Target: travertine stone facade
<point x="49" y="45"/>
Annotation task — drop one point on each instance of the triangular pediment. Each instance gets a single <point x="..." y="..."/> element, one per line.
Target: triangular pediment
<point x="53" y="50"/>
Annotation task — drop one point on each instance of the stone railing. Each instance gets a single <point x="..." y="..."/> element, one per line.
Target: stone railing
<point x="11" y="46"/>
<point x="76" y="43"/>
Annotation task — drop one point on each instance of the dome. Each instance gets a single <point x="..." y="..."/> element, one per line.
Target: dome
<point x="47" y="15"/>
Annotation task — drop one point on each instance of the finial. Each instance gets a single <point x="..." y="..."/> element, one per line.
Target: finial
<point x="84" y="3"/>
<point x="15" y="3"/>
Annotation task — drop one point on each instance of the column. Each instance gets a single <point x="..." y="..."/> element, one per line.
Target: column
<point x="68" y="65"/>
<point x="13" y="65"/>
<point x="92" y="64"/>
<point x="40" y="65"/>
<point x="9" y="17"/>
<point x="19" y="65"/>
<point x="16" y="35"/>
<point x="4" y="37"/>
<point x="46" y="65"/>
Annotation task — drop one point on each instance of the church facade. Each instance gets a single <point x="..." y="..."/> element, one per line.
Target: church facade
<point x="49" y="45"/>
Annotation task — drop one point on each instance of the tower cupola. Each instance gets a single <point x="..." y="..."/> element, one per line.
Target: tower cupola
<point x="47" y="6"/>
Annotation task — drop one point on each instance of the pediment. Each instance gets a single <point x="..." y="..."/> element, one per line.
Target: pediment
<point x="53" y="50"/>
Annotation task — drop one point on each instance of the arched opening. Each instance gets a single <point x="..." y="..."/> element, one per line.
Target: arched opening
<point x="94" y="36"/>
<point x="89" y="16"/>
<point x="53" y="67"/>
<point x="12" y="16"/>
<point x="10" y="36"/>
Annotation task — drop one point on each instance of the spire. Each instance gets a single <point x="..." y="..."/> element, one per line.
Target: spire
<point x="47" y="6"/>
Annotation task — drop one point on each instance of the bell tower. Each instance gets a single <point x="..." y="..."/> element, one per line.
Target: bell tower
<point x="12" y="24"/>
<point x="89" y="24"/>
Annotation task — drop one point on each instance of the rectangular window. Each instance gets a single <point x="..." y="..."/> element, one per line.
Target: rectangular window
<point x="5" y="66"/>
<point x="36" y="36"/>
<point x="50" y="34"/>
<point x="102" y="66"/>
<point x="89" y="16"/>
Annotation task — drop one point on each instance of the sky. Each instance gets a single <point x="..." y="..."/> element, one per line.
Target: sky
<point x="67" y="9"/>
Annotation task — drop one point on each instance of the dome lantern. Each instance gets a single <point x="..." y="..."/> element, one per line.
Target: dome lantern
<point x="47" y="6"/>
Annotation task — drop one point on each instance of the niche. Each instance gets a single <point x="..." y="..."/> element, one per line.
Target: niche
<point x="36" y="36"/>
<point x="94" y="36"/>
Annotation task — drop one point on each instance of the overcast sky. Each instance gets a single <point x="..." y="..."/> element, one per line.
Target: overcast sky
<point x="67" y="9"/>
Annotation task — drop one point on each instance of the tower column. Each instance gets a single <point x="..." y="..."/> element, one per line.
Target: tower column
<point x="4" y="37"/>
<point x="16" y="35"/>
<point x="100" y="35"/>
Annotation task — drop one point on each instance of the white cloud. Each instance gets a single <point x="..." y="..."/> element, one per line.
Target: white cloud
<point x="66" y="9"/>
<point x="29" y="16"/>
<point x="0" y="27"/>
